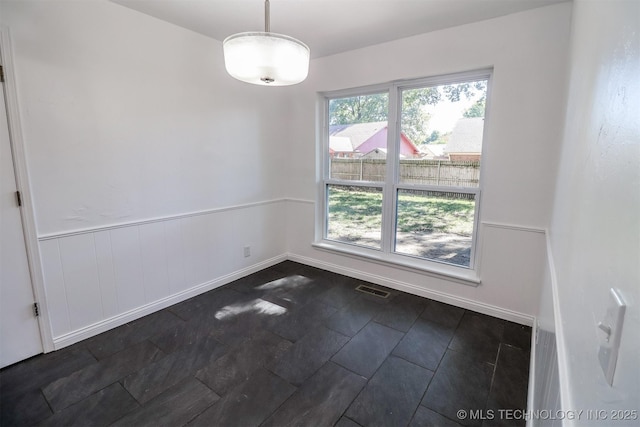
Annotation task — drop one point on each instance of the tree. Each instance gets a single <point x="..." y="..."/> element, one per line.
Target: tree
<point x="359" y="109"/>
<point x="435" y="135"/>
<point x="414" y="120"/>
<point x="468" y="89"/>
<point x="476" y="110"/>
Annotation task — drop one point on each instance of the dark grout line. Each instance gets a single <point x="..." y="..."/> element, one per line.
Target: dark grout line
<point x="47" y="402"/>
<point x="493" y="374"/>
<point x="350" y="419"/>
<point x="413" y="363"/>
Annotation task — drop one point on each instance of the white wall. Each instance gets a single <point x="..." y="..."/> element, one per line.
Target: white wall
<point x="137" y="144"/>
<point x="595" y="232"/>
<point x="528" y="52"/>
<point x="127" y="117"/>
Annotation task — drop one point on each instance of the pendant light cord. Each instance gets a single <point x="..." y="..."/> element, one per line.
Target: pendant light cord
<point x="267" y="13"/>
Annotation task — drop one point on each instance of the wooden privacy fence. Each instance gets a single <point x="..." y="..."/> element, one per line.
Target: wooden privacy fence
<point x="427" y="172"/>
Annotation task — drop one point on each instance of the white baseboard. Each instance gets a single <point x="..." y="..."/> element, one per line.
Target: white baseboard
<point x="138" y="312"/>
<point x="115" y="321"/>
<point x="488" y="309"/>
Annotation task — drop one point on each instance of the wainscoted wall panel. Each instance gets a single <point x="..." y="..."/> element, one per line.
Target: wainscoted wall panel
<point x="175" y="258"/>
<point x="515" y="250"/>
<point x="153" y="251"/>
<point x="127" y="262"/>
<point x="54" y="287"/>
<point x="199" y="248"/>
<point x="227" y="256"/>
<point x="547" y="391"/>
<point x="106" y="273"/>
<point x="99" y="279"/>
<point x="80" y="272"/>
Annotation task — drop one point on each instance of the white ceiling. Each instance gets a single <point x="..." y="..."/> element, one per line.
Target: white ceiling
<point x="329" y="26"/>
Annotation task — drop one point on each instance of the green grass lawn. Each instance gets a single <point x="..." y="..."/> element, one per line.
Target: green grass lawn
<point x="354" y="211"/>
<point x="420" y="213"/>
<point x="355" y="216"/>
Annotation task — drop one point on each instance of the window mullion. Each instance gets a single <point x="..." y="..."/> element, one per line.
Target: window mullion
<point x="393" y="149"/>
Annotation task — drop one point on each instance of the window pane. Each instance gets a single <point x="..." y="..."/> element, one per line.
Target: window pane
<point x="435" y="225"/>
<point x="444" y="125"/>
<point x="358" y="137"/>
<point x="355" y="215"/>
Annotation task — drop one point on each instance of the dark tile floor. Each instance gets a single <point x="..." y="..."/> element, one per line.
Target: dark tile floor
<point x="289" y="345"/>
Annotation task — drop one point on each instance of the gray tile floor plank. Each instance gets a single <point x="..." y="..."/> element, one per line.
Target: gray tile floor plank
<point x="509" y="385"/>
<point x="185" y="333"/>
<point x="237" y="321"/>
<point x="402" y="312"/>
<point x="425" y="417"/>
<point x="353" y="317"/>
<point x="392" y="395"/>
<point x="368" y="349"/>
<point x="240" y="362"/>
<point x="22" y="401"/>
<point x="425" y="344"/>
<point x="442" y="313"/>
<point x="205" y="304"/>
<point x="321" y="400"/>
<point x="346" y="422"/>
<point x="294" y="325"/>
<point x="307" y="355"/>
<point x="155" y="378"/>
<point x="99" y="409"/>
<point x="259" y="351"/>
<point x="289" y="291"/>
<point x="288" y="267"/>
<point x="302" y="295"/>
<point x="460" y="382"/>
<point x="26" y="408"/>
<point x="478" y="336"/>
<point x="250" y="283"/>
<point x="249" y="404"/>
<point x="328" y="279"/>
<point x="111" y="342"/>
<point x="517" y="335"/>
<point x="41" y="370"/>
<point x="84" y="382"/>
<point x="340" y="295"/>
<point x="174" y="407"/>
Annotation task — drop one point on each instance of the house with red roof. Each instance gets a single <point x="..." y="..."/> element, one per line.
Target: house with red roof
<point x="356" y="140"/>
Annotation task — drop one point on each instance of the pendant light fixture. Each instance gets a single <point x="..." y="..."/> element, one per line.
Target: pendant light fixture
<point x="266" y="58"/>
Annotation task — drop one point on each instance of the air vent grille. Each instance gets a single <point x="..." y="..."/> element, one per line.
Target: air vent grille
<point x="373" y="291"/>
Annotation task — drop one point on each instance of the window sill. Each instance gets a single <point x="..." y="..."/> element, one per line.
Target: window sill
<point x="430" y="268"/>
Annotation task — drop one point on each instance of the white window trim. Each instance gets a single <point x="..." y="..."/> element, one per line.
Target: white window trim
<point x="385" y="255"/>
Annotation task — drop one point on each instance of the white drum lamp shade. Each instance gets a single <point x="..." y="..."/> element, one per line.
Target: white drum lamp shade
<point x="265" y="58"/>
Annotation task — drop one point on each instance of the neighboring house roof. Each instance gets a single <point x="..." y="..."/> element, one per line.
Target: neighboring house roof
<point x="435" y="150"/>
<point x="364" y="137"/>
<point x="378" y="153"/>
<point x="340" y="144"/>
<point x="357" y="133"/>
<point x="466" y="136"/>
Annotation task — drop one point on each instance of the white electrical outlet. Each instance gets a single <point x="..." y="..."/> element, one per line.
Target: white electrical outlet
<point x="247" y="251"/>
<point x="610" y="333"/>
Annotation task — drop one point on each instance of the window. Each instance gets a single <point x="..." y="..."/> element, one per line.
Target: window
<point x="401" y="170"/>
